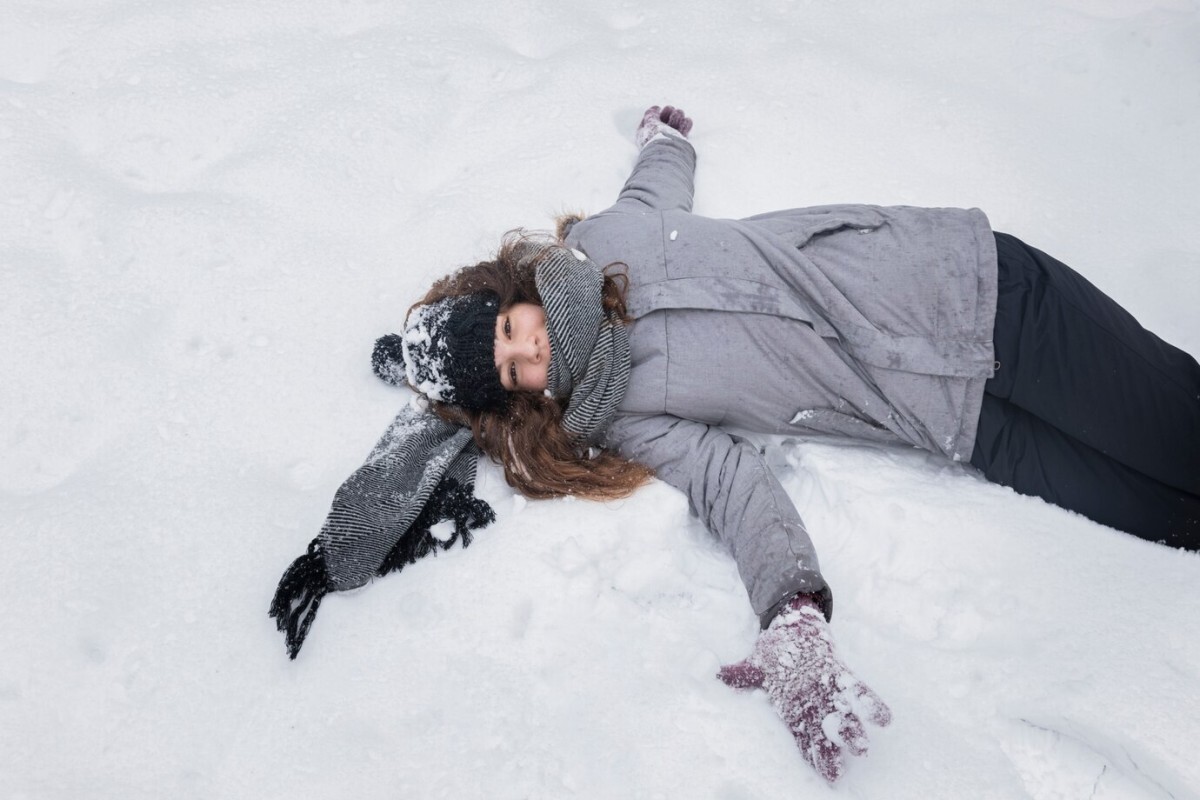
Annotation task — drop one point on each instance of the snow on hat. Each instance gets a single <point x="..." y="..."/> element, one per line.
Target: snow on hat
<point x="447" y="352"/>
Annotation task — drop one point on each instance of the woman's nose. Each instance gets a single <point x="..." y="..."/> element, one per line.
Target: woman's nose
<point x="527" y="350"/>
<point x="530" y="350"/>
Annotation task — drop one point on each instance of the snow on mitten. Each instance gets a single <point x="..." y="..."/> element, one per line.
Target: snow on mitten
<point x="819" y="698"/>
<point x="667" y="120"/>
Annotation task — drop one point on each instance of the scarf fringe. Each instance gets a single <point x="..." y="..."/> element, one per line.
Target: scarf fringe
<point x="306" y="581"/>
<point x="299" y="595"/>
<point x="450" y="501"/>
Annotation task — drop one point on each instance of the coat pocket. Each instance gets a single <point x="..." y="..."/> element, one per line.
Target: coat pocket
<point x="836" y="423"/>
<point x="824" y="220"/>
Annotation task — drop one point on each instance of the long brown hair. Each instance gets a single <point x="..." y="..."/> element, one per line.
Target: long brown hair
<point x="540" y="458"/>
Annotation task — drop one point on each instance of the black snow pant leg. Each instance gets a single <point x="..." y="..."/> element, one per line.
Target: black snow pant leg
<point x="1015" y="448"/>
<point x="1071" y="356"/>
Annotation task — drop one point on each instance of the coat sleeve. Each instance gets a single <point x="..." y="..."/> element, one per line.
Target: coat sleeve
<point x="729" y="485"/>
<point x="662" y="178"/>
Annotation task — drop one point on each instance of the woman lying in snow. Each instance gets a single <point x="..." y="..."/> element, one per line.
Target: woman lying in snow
<point x="900" y="325"/>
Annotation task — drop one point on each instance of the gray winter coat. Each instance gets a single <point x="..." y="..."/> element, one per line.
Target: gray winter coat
<point x="869" y="322"/>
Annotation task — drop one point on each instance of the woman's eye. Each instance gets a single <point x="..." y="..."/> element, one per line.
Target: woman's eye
<point x="512" y="374"/>
<point x="507" y="328"/>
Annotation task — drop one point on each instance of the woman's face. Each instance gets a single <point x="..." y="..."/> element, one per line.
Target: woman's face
<point x="522" y="348"/>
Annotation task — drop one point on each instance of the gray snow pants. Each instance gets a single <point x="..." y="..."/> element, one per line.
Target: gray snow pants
<point x="1088" y="409"/>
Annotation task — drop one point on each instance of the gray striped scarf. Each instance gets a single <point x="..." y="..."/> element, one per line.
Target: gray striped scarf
<point x="421" y="472"/>
<point x="589" y="349"/>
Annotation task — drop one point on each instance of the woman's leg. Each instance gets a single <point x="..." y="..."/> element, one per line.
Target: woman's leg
<point x="1074" y="358"/>
<point x="1015" y="448"/>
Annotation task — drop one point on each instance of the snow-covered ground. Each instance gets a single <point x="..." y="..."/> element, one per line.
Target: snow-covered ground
<point x="209" y="211"/>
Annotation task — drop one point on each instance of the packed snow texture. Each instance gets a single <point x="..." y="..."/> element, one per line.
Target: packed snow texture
<point x="209" y="212"/>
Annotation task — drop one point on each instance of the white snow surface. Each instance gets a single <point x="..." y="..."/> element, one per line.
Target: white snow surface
<point x="208" y="212"/>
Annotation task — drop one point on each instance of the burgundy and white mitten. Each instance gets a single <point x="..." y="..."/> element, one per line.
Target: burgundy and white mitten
<point x="816" y="695"/>
<point x="666" y="120"/>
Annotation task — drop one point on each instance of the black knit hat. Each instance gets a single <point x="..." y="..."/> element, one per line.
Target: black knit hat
<point x="447" y="352"/>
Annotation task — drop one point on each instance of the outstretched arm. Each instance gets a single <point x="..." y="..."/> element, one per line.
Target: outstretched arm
<point x="729" y="485"/>
<point x="732" y="489"/>
<point x="662" y="178"/>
